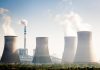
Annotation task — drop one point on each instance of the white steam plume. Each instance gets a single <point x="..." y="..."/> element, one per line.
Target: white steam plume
<point x="77" y="21"/>
<point x="3" y="11"/>
<point x="8" y="30"/>
<point x="68" y="27"/>
<point x="72" y="23"/>
<point x="24" y="22"/>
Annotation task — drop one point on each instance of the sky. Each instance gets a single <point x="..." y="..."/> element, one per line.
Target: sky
<point x="40" y="15"/>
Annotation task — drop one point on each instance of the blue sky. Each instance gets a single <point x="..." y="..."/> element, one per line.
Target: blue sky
<point x="37" y="12"/>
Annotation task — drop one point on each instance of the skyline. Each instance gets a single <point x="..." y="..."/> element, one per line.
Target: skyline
<point x="38" y="13"/>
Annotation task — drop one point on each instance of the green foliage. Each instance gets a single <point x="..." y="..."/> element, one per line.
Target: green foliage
<point x="50" y="67"/>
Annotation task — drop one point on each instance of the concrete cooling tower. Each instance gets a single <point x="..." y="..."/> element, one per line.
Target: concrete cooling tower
<point x="69" y="49"/>
<point x="41" y="55"/>
<point x="85" y="52"/>
<point x="10" y="54"/>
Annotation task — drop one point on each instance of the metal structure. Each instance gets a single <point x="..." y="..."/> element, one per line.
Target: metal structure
<point x="10" y="54"/>
<point x="69" y="49"/>
<point x="24" y="51"/>
<point x="24" y="58"/>
<point x="85" y="52"/>
<point x="41" y="55"/>
<point x="24" y="37"/>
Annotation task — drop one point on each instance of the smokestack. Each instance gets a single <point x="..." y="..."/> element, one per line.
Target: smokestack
<point x="24" y="37"/>
<point x="10" y="54"/>
<point x="41" y="53"/>
<point x="24" y="23"/>
<point x="69" y="49"/>
<point x="85" y="53"/>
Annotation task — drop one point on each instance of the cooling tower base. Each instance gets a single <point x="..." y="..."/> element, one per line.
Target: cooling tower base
<point x="11" y="58"/>
<point x="85" y="63"/>
<point x="67" y="62"/>
<point x="42" y="60"/>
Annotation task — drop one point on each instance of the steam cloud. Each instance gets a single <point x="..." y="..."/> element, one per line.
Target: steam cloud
<point x="8" y="30"/>
<point x="76" y="20"/>
<point x="24" y="22"/>
<point x="3" y="11"/>
<point x="72" y="22"/>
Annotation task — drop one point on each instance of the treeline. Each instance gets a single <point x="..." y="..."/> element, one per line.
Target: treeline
<point x="50" y="67"/>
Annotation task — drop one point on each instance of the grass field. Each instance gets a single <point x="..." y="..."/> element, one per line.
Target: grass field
<point x="50" y="67"/>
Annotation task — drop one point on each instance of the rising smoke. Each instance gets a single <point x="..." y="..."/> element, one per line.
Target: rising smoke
<point x="3" y="11"/>
<point x="7" y="20"/>
<point x="8" y="30"/>
<point x="65" y="22"/>
<point x="77" y="21"/>
<point x="24" y="22"/>
<point x="72" y="22"/>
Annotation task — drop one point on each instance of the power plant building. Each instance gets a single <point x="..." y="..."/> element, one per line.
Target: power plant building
<point x="41" y="55"/>
<point x="24" y="57"/>
<point x="85" y="52"/>
<point x="69" y="49"/>
<point x="10" y="54"/>
<point x="23" y="52"/>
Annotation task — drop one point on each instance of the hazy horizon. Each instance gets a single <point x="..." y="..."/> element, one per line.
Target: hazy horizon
<point x="43" y="20"/>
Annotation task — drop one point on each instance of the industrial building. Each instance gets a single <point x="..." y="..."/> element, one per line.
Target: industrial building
<point x="24" y="57"/>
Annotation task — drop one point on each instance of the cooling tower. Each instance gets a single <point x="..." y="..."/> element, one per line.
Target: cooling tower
<point x="69" y="49"/>
<point x="85" y="52"/>
<point x="10" y="54"/>
<point x="41" y="55"/>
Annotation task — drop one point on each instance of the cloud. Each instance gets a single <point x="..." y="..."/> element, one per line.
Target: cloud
<point x="3" y="11"/>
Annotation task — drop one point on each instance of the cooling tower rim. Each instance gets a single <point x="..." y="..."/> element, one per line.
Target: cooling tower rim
<point x="84" y="31"/>
<point x="42" y="37"/>
<point x="69" y="36"/>
<point x="10" y="36"/>
<point x="22" y="48"/>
